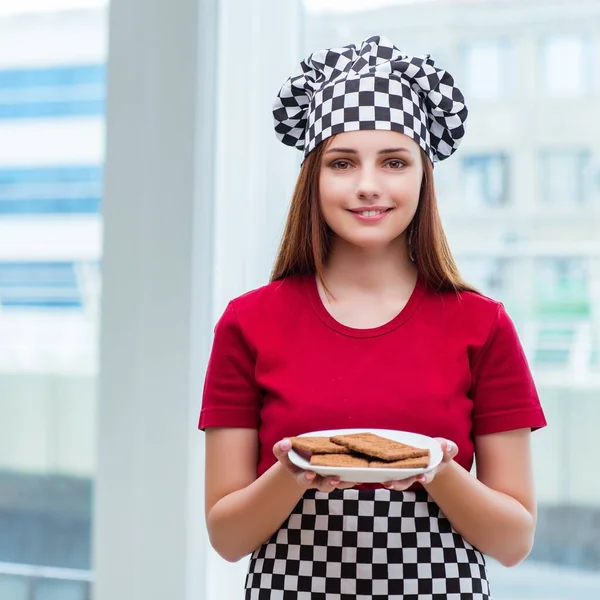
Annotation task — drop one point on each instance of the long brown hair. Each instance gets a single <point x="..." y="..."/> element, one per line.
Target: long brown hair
<point x="306" y="240"/>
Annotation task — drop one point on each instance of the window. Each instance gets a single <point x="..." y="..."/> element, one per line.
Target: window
<point x="489" y="275"/>
<point x="563" y="312"/>
<point x="562" y="287"/>
<point x="552" y="300"/>
<point x="50" y="190"/>
<point x="43" y="285"/>
<point x="62" y="91"/>
<point x="485" y="180"/>
<point x="51" y="165"/>
<point x="488" y="70"/>
<point x="565" y="177"/>
<point x="567" y="66"/>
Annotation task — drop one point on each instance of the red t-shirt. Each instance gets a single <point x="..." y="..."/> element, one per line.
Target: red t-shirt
<point x="448" y="365"/>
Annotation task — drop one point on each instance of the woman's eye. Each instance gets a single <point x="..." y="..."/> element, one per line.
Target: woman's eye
<point x="341" y="165"/>
<point x="395" y="164"/>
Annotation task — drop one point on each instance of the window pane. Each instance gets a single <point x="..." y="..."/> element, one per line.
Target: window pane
<point x="554" y="299"/>
<point x="14" y="588"/>
<point x="487" y="71"/>
<point x="567" y="66"/>
<point x="491" y="276"/>
<point x="50" y="190"/>
<point x="562" y="287"/>
<point x="52" y="93"/>
<point x="61" y="590"/>
<point x="485" y="180"/>
<point x="565" y="177"/>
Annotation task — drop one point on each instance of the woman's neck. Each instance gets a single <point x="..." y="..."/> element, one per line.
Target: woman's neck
<point x="375" y="271"/>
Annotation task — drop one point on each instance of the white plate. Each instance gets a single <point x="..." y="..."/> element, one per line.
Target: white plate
<point x="373" y="475"/>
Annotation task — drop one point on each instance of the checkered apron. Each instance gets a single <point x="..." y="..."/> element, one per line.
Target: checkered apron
<point x="367" y="544"/>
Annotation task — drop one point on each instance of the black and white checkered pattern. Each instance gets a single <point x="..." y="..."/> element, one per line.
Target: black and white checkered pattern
<point x="367" y="544"/>
<point x="374" y="87"/>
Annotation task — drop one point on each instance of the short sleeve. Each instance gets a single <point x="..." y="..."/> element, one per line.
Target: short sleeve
<point x="231" y="397"/>
<point x="504" y="393"/>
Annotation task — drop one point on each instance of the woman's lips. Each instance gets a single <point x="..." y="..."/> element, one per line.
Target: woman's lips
<point x="372" y="214"/>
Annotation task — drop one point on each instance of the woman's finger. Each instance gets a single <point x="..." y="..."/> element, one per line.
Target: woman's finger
<point x="400" y="486"/>
<point x="281" y="449"/>
<point x="325" y="486"/>
<point x="307" y="479"/>
<point x="345" y="485"/>
<point x="451" y="449"/>
<point x="308" y="476"/>
<point x="427" y="477"/>
<point x="331" y="483"/>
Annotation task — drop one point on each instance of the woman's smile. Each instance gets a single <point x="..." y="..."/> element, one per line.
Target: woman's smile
<point x="371" y="214"/>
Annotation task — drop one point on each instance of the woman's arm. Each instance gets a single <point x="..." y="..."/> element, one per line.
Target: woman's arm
<point x="243" y="512"/>
<point x="495" y="512"/>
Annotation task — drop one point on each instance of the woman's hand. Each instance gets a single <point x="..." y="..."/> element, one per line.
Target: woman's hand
<point x="307" y="479"/>
<point x="450" y="450"/>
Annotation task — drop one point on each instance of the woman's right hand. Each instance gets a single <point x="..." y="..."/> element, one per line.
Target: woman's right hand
<point x="307" y="479"/>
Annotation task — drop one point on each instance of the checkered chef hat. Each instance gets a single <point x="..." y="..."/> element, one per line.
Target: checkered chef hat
<point x="374" y="87"/>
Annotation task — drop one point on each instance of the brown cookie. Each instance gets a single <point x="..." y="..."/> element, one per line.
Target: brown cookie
<point x="338" y="460"/>
<point x="317" y="445"/>
<point x="379" y="447"/>
<point x="408" y="463"/>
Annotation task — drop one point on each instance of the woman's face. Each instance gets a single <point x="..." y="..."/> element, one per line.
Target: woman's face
<point x="369" y="186"/>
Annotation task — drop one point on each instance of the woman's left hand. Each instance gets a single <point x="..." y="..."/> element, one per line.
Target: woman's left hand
<point x="449" y="449"/>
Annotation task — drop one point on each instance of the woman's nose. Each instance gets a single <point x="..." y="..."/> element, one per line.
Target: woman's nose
<point x="368" y="187"/>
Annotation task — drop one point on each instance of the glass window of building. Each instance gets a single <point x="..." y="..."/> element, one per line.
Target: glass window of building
<point x="562" y="287"/>
<point x="43" y="190"/>
<point x="485" y="179"/>
<point x="567" y="65"/>
<point x="564" y="312"/>
<point x="52" y="94"/>
<point x="489" y="275"/>
<point x="554" y="300"/>
<point x="488" y="69"/>
<point x="566" y="177"/>
<point x="52" y="91"/>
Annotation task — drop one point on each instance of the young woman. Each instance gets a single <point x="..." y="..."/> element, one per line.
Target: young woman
<point x="367" y="323"/>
